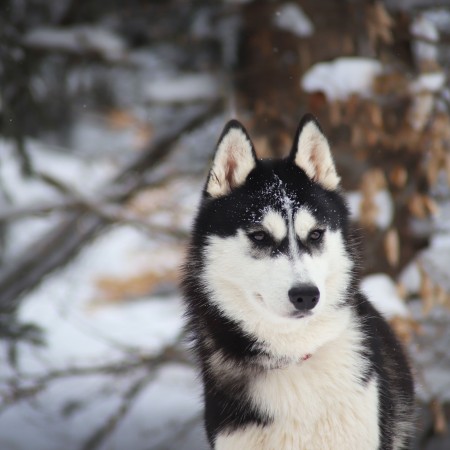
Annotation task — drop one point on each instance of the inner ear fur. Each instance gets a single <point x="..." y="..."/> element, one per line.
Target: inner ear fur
<point x="311" y="152"/>
<point x="235" y="158"/>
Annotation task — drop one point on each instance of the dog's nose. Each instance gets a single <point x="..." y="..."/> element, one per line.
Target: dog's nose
<point x="304" y="296"/>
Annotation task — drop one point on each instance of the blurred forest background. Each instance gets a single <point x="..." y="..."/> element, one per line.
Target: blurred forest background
<point x="109" y="114"/>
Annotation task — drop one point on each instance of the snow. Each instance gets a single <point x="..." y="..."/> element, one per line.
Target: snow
<point x="382" y="292"/>
<point x="291" y="17"/>
<point x="423" y="27"/>
<point x="40" y="419"/>
<point x="426" y="34"/>
<point x="91" y="133"/>
<point x="439" y="17"/>
<point x="82" y="332"/>
<point x="440" y="240"/>
<point x="26" y="231"/>
<point x="85" y="329"/>
<point x="81" y="175"/>
<point x="435" y="261"/>
<point x="79" y="333"/>
<point x="410" y="278"/>
<point x="175" y="398"/>
<point x="78" y="39"/>
<point x="182" y="88"/>
<point x="430" y="353"/>
<point x="435" y="258"/>
<point x="20" y="190"/>
<point x="383" y="202"/>
<point x="342" y="77"/>
<point x="429" y="82"/>
<point x="171" y="397"/>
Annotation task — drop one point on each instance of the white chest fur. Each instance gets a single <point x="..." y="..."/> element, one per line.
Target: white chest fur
<point x="319" y="404"/>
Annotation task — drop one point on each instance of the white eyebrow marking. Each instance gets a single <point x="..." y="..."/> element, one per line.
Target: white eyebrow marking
<point x="304" y="222"/>
<point x="275" y="224"/>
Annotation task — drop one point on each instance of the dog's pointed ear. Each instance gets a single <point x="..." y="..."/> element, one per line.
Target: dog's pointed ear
<point x="311" y="152"/>
<point x="234" y="159"/>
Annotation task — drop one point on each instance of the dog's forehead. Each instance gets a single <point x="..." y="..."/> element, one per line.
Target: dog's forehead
<point x="288" y="197"/>
<point x="274" y="193"/>
<point x="277" y="196"/>
<point x="287" y="200"/>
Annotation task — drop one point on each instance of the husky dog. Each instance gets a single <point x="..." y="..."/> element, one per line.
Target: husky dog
<point x="292" y="355"/>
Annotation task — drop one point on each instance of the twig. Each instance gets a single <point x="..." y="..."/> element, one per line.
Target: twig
<point x="25" y="161"/>
<point x="62" y="243"/>
<point x="116" y="214"/>
<point x="109" y="211"/>
<point x="170" y="353"/>
<point x="10" y="214"/>
<point x="102" y="433"/>
<point x="73" y="201"/>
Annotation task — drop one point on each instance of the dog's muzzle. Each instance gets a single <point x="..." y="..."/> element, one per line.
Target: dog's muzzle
<point x="304" y="296"/>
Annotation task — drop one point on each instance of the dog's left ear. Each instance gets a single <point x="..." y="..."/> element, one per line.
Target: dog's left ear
<point x="235" y="158"/>
<point x="311" y="152"/>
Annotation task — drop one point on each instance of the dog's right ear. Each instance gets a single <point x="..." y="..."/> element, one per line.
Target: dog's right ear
<point x="235" y="158"/>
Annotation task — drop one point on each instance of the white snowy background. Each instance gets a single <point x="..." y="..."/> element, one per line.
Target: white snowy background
<point x="113" y="370"/>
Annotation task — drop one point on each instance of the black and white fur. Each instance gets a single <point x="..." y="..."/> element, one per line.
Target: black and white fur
<point x="278" y="374"/>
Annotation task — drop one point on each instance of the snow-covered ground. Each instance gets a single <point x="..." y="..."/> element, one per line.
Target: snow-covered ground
<point x="115" y="307"/>
<point x="105" y="317"/>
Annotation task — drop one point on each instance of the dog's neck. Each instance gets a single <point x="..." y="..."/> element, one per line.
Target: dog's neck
<point x="285" y="363"/>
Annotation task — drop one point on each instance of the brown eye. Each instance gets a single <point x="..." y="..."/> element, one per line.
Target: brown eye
<point x="258" y="236"/>
<point x="316" y="235"/>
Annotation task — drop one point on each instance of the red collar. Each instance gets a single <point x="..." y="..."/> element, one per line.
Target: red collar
<point x="284" y="366"/>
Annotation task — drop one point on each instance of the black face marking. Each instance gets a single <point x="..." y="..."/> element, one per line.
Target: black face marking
<point x="278" y="185"/>
<point x="304" y="247"/>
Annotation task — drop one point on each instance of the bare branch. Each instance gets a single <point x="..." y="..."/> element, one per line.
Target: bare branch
<point x="62" y="243"/>
<point x="76" y="201"/>
<point x="102" y="433"/>
<point x="26" y="386"/>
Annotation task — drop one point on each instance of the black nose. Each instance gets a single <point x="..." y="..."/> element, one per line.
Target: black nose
<point x="304" y="296"/>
